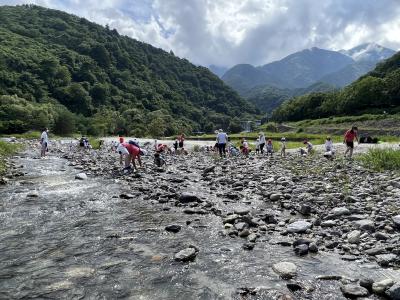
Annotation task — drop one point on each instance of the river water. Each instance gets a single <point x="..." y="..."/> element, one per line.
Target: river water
<point x="61" y="238"/>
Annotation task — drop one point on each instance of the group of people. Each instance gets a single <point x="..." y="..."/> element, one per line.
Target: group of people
<point x="130" y="151"/>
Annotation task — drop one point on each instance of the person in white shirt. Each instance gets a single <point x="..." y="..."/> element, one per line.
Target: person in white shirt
<point x="44" y="141"/>
<point x="262" y="141"/>
<point x="222" y="139"/>
<point x="257" y="145"/>
<point x="329" y="150"/>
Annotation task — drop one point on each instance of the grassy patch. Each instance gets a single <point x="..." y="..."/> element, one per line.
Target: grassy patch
<point x="6" y="149"/>
<point x="381" y="159"/>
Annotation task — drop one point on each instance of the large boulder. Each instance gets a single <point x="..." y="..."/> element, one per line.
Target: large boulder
<point x="394" y="292"/>
<point x="380" y="287"/>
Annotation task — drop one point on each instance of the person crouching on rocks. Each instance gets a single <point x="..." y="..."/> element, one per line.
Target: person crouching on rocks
<point x="130" y="153"/>
<point x="329" y="150"/>
<point x="245" y="148"/>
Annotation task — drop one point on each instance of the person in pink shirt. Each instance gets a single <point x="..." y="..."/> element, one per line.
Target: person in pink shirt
<point x="349" y="137"/>
<point x="131" y="153"/>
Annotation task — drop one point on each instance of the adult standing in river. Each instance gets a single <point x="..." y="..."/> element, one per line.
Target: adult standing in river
<point x="262" y="141"/>
<point x="349" y="138"/>
<point x="44" y="142"/>
<point x="222" y="139"/>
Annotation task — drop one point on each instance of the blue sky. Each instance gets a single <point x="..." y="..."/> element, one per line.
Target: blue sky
<point x="228" y="32"/>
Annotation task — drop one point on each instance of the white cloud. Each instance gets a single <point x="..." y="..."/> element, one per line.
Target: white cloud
<point x="227" y="32"/>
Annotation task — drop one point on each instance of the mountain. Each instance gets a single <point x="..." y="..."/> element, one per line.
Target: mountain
<point x="297" y="70"/>
<point x="219" y="71"/>
<point x="371" y="52"/>
<point x="60" y="67"/>
<point x="375" y="92"/>
<point x="269" y="85"/>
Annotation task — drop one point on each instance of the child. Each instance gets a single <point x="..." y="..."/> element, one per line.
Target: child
<point x="159" y="160"/>
<point x="283" y="147"/>
<point x="309" y="146"/>
<point x="245" y="148"/>
<point x="329" y="151"/>
<point x="270" y="147"/>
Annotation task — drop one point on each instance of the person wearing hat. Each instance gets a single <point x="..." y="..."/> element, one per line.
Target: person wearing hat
<point x="283" y="147"/>
<point x="222" y="139"/>
<point x="261" y="137"/>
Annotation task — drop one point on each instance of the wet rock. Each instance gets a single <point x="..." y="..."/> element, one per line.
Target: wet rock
<point x="188" y="254"/>
<point x="3" y="180"/>
<point x="393" y="293"/>
<point x="294" y="286"/>
<point x="354" y="291"/>
<point x="126" y="196"/>
<point x="354" y="237"/>
<point x="375" y="251"/>
<point x="380" y="287"/>
<point x="385" y="260"/>
<point x="329" y="277"/>
<point x="301" y="242"/>
<point x="365" y="225"/>
<point x="33" y="194"/>
<point x="252" y="237"/>
<point x="339" y="211"/>
<point x="81" y="176"/>
<point x="313" y="248"/>
<point x="188" y="197"/>
<point x="173" y="228"/>
<point x="298" y="226"/>
<point x="286" y="270"/>
<point x="301" y="250"/>
<point x="241" y="226"/>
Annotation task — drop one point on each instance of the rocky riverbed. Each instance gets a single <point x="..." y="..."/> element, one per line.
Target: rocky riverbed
<point x="203" y="228"/>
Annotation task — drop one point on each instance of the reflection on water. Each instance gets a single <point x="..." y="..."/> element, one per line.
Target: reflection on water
<point x="79" y="240"/>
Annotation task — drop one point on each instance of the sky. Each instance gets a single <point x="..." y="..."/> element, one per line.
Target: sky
<point x="228" y="32"/>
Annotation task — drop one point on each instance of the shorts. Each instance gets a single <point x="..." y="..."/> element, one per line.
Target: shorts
<point x="350" y="144"/>
<point x="44" y="146"/>
<point x="180" y="144"/>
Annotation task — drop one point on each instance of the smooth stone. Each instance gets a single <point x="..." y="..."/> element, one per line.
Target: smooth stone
<point x="301" y="250"/>
<point x="187" y="254"/>
<point x="275" y="197"/>
<point x="329" y="223"/>
<point x="126" y="196"/>
<point x="81" y="176"/>
<point x="313" y="248"/>
<point x="354" y="237"/>
<point x="285" y="269"/>
<point x="33" y="194"/>
<point x="353" y="290"/>
<point x="298" y="226"/>
<point x="339" y="211"/>
<point x="231" y="218"/>
<point x="367" y="283"/>
<point x="305" y="209"/>
<point x="380" y="236"/>
<point x="380" y="287"/>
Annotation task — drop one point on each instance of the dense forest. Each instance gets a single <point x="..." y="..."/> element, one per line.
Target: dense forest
<point x="375" y="92"/>
<point x="69" y="74"/>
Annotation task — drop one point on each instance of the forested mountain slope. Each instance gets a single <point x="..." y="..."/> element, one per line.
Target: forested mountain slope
<point x="61" y="67"/>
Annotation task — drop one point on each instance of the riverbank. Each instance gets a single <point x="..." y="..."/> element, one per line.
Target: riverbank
<point x="117" y="236"/>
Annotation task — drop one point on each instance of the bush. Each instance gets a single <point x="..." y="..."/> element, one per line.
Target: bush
<point x="196" y="148"/>
<point x="381" y="159"/>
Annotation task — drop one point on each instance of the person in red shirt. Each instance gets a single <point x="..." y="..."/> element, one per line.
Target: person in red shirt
<point x="131" y="152"/>
<point x="349" y="137"/>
